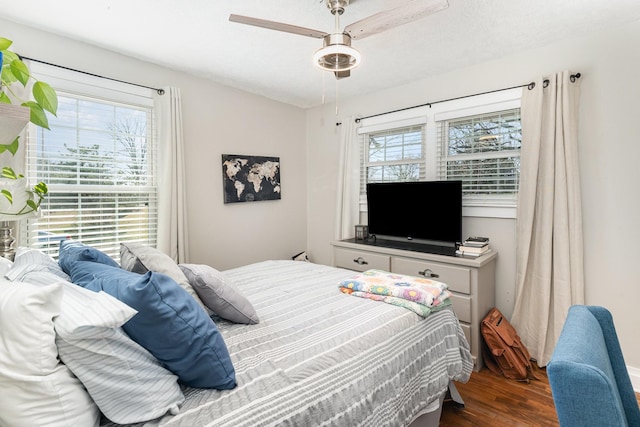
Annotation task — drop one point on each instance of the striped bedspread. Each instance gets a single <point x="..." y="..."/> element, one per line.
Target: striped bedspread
<point x="319" y="357"/>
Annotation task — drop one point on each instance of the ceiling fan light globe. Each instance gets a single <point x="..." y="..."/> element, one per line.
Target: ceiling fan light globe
<point x="337" y="58"/>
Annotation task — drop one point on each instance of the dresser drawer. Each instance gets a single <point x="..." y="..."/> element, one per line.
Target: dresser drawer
<point x="462" y="307"/>
<point x="359" y="260"/>
<point x="457" y="278"/>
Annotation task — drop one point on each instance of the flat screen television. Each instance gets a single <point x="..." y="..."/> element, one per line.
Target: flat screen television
<point x="428" y="212"/>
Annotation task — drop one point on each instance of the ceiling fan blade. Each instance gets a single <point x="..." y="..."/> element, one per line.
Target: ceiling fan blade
<point x="382" y="21"/>
<point x="278" y="26"/>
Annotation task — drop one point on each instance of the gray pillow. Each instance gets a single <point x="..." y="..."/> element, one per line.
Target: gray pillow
<point x="219" y="295"/>
<point x="139" y="258"/>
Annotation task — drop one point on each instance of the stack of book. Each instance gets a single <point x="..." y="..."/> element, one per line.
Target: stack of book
<point x="474" y="247"/>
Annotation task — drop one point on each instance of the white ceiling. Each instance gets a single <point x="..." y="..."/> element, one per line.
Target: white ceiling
<point x="195" y="36"/>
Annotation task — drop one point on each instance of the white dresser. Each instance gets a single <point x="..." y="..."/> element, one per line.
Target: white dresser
<point x="471" y="280"/>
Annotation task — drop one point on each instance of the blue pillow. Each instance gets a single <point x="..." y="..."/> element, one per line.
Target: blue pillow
<point x="170" y="324"/>
<point x="72" y="251"/>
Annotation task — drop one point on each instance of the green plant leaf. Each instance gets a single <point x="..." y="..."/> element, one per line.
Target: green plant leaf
<point x="4" y="98"/>
<point x="5" y="43"/>
<point x="12" y="148"/>
<point x="9" y="56"/>
<point x="46" y="97"/>
<point x="41" y="189"/>
<point x="38" y="116"/>
<point x="7" y="194"/>
<point x="32" y="205"/>
<point x="7" y="76"/>
<point x="20" y="71"/>
<point x="9" y="173"/>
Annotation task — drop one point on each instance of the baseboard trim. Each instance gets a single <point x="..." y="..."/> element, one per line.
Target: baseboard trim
<point x="634" y="374"/>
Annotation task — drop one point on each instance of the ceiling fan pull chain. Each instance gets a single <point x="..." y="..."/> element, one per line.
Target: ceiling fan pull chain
<point x="336" y="97"/>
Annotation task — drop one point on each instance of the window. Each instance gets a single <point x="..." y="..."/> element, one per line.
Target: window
<point x="395" y="155"/>
<point x="482" y="151"/>
<point x="98" y="161"/>
<point x="476" y="140"/>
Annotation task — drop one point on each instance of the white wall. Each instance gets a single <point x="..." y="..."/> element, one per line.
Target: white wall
<point x="217" y="120"/>
<point x="609" y="154"/>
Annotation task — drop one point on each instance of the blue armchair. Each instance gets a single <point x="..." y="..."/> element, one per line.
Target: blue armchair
<point x="588" y="377"/>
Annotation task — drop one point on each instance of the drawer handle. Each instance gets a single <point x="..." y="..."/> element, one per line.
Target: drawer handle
<point x="360" y="261"/>
<point x="428" y="273"/>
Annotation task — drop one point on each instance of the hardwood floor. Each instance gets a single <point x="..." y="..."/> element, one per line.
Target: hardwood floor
<point x="493" y="401"/>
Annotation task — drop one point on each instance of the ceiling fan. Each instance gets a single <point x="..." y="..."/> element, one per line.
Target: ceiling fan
<point x="337" y="55"/>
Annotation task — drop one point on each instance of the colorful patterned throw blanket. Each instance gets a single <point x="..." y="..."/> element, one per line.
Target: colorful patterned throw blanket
<point x="418" y="294"/>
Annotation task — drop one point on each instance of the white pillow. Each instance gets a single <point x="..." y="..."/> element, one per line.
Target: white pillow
<point x="126" y="381"/>
<point x="37" y="390"/>
<point x="28" y="259"/>
<point x="5" y="265"/>
<point x="26" y="314"/>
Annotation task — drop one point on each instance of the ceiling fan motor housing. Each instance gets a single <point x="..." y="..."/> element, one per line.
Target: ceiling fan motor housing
<point x="337" y="6"/>
<point x="337" y="53"/>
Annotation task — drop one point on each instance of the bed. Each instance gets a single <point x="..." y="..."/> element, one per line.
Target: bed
<point x="319" y="357"/>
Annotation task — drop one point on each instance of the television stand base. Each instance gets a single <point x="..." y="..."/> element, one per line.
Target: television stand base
<point x="407" y="246"/>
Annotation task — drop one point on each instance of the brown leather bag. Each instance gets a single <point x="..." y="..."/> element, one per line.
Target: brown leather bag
<point x="503" y="352"/>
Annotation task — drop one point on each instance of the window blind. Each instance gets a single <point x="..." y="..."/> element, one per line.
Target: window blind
<point x="395" y="155"/>
<point x="99" y="163"/>
<point x="483" y="151"/>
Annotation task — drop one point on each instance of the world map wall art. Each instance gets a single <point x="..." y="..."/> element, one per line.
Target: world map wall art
<point x="250" y="178"/>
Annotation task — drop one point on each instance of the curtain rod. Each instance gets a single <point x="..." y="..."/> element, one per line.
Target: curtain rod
<point x="529" y="86"/>
<point x="158" y="91"/>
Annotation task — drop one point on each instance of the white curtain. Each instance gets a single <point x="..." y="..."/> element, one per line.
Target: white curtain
<point x="172" y="216"/>
<point x="549" y="251"/>
<point x="348" y="195"/>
